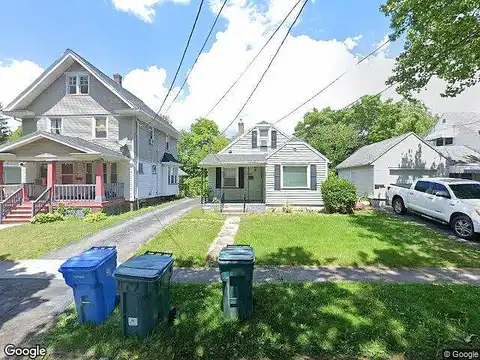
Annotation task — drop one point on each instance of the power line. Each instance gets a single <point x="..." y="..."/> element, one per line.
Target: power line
<point x="199" y="53"/>
<point x="333" y="82"/>
<point x="253" y="60"/>
<point x="268" y="67"/>
<point x="181" y="61"/>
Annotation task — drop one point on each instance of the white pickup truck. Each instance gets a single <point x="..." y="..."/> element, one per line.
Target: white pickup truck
<point x="452" y="201"/>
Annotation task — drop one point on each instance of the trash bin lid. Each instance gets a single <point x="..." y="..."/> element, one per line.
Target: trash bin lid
<point x="89" y="260"/>
<point x="237" y="253"/>
<point x="149" y="267"/>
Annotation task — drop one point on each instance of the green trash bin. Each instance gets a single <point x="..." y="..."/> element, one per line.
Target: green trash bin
<point x="143" y="285"/>
<point x="236" y="264"/>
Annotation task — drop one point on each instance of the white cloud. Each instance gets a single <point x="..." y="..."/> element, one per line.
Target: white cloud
<point x="15" y="76"/>
<point x="302" y="68"/>
<point x="350" y="43"/>
<point x="143" y="9"/>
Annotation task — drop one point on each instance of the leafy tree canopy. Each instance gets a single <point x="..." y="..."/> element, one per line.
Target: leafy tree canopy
<point x="338" y="133"/>
<point x="16" y="134"/>
<point x="4" y="128"/>
<point x="203" y="138"/>
<point x="442" y="38"/>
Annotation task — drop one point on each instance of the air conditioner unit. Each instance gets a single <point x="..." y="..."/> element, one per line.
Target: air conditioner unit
<point x="263" y="142"/>
<point x="150" y="141"/>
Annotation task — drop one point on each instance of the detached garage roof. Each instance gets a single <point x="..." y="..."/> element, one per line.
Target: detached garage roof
<point x="369" y="153"/>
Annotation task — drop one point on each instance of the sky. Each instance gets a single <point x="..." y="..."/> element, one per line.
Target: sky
<point x="144" y="39"/>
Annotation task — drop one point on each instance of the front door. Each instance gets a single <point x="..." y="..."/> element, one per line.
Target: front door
<point x="254" y="184"/>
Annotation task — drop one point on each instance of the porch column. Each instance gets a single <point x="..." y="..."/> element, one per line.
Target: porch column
<point x="99" y="182"/>
<point x="1" y="172"/>
<point x="51" y="175"/>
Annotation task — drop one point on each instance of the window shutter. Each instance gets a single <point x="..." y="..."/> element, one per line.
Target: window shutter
<point x="241" y="177"/>
<point x="277" y="177"/>
<point x="254" y="139"/>
<point x="274" y="139"/>
<point x="313" y="177"/>
<point x="218" y="177"/>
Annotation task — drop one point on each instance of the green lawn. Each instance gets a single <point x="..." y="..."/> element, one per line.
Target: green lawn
<point x="362" y="239"/>
<point x="297" y="321"/>
<point x="31" y="241"/>
<point x="188" y="238"/>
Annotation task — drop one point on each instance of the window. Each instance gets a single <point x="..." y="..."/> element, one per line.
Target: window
<point x="151" y="135"/>
<point x="140" y="168"/>
<point x="172" y="176"/>
<point x="105" y="173"/>
<point x="263" y="139"/>
<point x="435" y="188"/>
<point x="89" y="174"/>
<point x="154" y="169"/>
<point x="295" y="176"/>
<point x="67" y="173"/>
<point x="448" y="141"/>
<point x="56" y="125"/>
<point x="113" y="173"/>
<point x="230" y="177"/>
<point x="439" y="142"/>
<point x="78" y="84"/>
<point x="422" y="186"/>
<point x="100" y="123"/>
<point x="466" y="191"/>
<point x="167" y="141"/>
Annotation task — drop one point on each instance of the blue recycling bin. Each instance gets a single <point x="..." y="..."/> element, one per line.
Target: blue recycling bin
<point x="90" y="275"/>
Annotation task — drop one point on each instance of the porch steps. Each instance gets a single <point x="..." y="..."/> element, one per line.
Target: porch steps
<point x="20" y="215"/>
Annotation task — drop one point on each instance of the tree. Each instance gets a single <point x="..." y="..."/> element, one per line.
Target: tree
<point x="442" y="39"/>
<point x="339" y="133"/>
<point x="203" y="138"/>
<point x="4" y="128"/>
<point x="16" y="134"/>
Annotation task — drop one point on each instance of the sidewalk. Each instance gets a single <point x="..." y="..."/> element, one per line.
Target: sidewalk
<point x="48" y="269"/>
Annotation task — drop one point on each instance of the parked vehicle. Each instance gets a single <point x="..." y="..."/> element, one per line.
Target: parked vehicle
<point x="452" y="201"/>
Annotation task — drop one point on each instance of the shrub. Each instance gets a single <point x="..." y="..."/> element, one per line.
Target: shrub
<point x="95" y="217"/>
<point x="47" y="217"/>
<point x="61" y="209"/>
<point x="287" y="208"/>
<point x="339" y="195"/>
<point x="192" y="186"/>
<point x="86" y="211"/>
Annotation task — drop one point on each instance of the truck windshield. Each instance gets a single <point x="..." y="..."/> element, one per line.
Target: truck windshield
<point x="466" y="191"/>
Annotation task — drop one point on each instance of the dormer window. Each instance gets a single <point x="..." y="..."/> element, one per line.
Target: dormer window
<point x="78" y="84"/>
<point x="263" y="139"/>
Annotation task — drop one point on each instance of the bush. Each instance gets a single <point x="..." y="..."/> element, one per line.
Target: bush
<point x="95" y="217"/>
<point x="287" y="208"/>
<point x="192" y="186"/>
<point x="339" y="195"/>
<point x="43" y="218"/>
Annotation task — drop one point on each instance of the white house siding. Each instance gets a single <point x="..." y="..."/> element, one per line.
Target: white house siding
<point x="361" y="176"/>
<point x="295" y="153"/>
<point x="408" y="160"/>
<point x="244" y="144"/>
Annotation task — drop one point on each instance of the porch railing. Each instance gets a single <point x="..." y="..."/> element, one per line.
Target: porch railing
<point x="10" y="203"/>
<point x="39" y="203"/>
<point x="74" y="192"/>
<point x="114" y="191"/>
<point x="222" y="202"/>
<point x="7" y="190"/>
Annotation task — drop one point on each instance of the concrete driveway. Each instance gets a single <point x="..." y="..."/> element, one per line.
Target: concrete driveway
<point x="32" y="293"/>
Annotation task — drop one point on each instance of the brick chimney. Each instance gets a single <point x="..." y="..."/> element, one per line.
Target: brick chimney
<point x="118" y="79"/>
<point x="241" y="127"/>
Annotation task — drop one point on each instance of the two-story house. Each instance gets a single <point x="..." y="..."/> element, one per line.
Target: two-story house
<point x="87" y="142"/>
<point x="263" y="165"/>
<point x="457" y="137"/>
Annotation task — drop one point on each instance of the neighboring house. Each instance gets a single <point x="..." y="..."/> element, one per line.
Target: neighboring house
<point x="457" y="137"/>
<point x="398" y="160"/>
<point x="89" y="142"/>
<point x="263" y="165"/>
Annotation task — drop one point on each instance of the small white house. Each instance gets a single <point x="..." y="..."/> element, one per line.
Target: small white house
<point x="398" y="160"/>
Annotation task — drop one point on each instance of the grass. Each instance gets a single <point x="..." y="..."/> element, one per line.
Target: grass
<point x="31" y="241"/>
<point x="298" y="321"/>
<point x="188" y="238"/>
<point x="362" y="239"/>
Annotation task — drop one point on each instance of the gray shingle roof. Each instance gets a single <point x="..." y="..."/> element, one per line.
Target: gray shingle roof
<point x="81" y="144"/>
<point x="369" y="153"/>
<point x="452" y="123"/>
<point x="459" y="154"/>
<point x="233" y="159"/>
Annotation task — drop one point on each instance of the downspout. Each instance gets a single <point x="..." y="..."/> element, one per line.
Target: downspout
<point x="137" y="160"/>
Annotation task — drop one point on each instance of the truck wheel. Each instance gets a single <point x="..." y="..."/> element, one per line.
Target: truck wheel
<point x="462" y="226"/>
<point x="398" y="206"/>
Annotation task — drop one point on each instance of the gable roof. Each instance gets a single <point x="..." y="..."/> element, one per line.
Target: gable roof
<point x="293" y="139"/>
<point x="459" y="153"/>
<point x="366" y="155"/>
<point x="261" y="123"/>
<point x="452" y="123"/>
<point x="65" y="61"/>
<point x="79" y="144"/>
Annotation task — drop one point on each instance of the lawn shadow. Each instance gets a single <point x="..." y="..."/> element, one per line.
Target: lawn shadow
<point x="18" y="294"/>
<point x="292" y="255"/>
<point x="412" y="244"/>
<point x="290" y="321"/>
